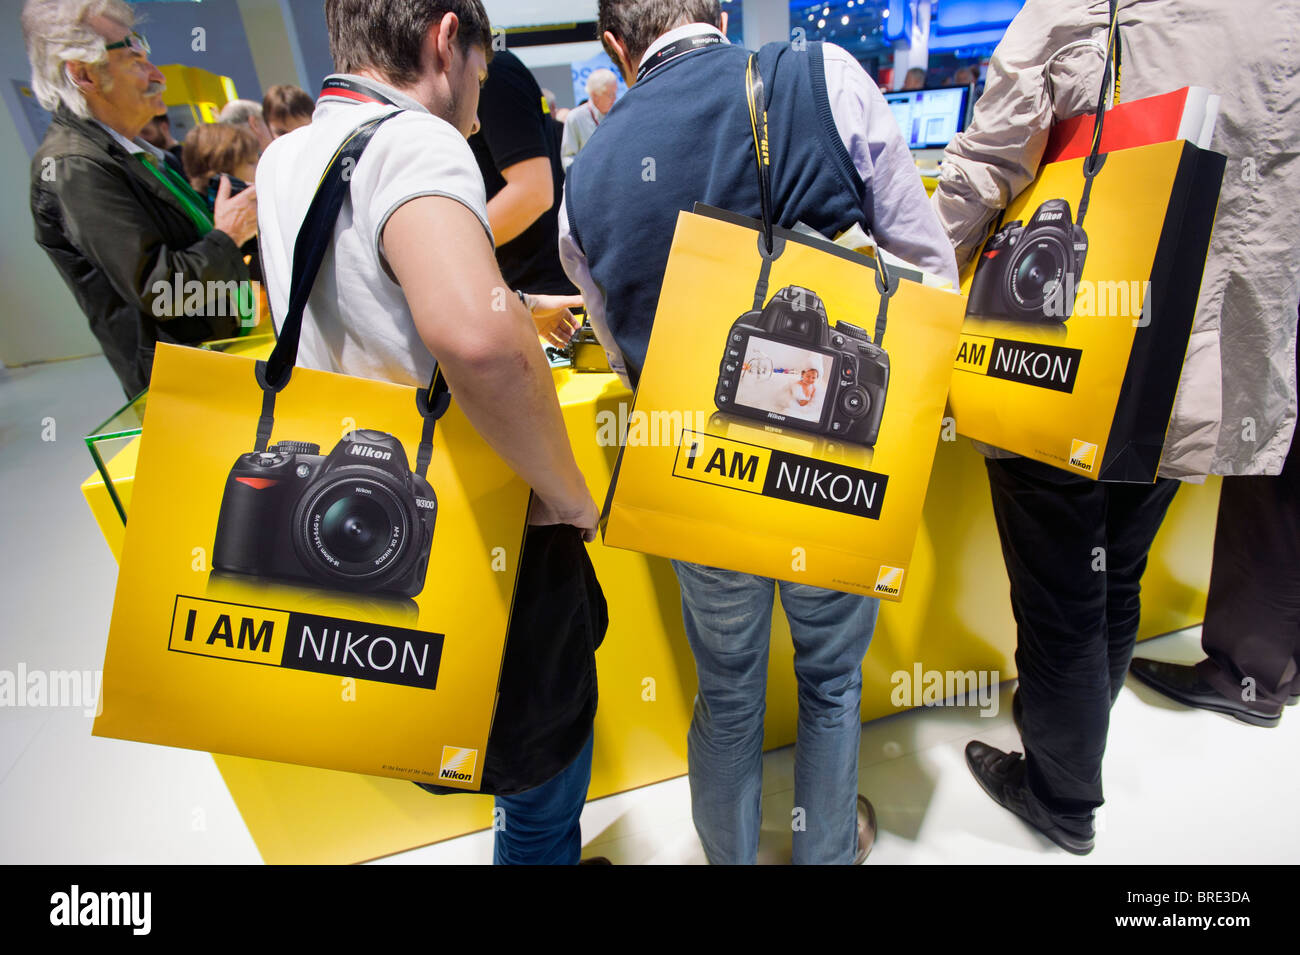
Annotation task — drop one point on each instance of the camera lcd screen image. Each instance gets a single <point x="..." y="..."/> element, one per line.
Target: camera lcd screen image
<point x="783" y="379"/>
<point x="786" y="364"/>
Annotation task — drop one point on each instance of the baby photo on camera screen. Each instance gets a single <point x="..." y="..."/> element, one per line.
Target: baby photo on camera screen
<point x="784" y="379"/>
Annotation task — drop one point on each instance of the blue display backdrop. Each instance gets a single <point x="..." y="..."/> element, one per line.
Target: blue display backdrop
<point x="209" y="35"/>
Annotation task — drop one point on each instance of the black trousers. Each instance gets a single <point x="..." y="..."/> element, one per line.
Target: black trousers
<point x="1252" y="617"/>
<point x="1075" y="551"/>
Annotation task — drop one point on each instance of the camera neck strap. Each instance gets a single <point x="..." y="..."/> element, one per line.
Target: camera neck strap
<point x="1112" y="68"/>
<point x="770" y="245"/>
<point x="313" y="241"/>
<point x="757" y="97"/>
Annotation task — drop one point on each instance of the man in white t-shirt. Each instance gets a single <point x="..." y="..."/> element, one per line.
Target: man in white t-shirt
<point x="411" y="274"/>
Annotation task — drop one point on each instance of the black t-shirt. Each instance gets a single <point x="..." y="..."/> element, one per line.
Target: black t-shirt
<point x="515" y="129"/>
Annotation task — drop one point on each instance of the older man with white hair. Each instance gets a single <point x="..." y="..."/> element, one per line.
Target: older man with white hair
<point x="246" y="112"/>
<point x="581" y="123"/>
<point x="121" y="226"/>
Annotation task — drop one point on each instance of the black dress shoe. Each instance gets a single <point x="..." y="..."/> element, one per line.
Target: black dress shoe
<point x="1002" y="776"/>
<point x="1184" y="684"/>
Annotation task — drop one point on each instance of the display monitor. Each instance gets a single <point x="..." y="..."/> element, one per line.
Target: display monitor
<point x="931" y="117"/>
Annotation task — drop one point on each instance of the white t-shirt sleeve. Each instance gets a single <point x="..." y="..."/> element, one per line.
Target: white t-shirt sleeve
<point x="414" y="155"/>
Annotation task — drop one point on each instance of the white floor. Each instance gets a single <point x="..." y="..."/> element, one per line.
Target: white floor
<point x="1182" y="786"/>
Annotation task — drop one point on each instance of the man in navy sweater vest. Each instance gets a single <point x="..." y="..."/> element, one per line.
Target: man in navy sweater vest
<point x="838" y="160"/>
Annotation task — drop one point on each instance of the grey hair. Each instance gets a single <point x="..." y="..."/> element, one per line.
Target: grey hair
<point x="56" y="32"/>
<point x="239" y="111"/>
<point x="601" y="79"/>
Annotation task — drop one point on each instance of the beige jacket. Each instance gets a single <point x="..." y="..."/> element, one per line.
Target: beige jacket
<point x="1236" y="407"/>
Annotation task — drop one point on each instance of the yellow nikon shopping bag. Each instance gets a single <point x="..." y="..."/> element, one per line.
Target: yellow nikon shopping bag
<point x="771" y="432"/>
<point x="317" y="569"/>
<point x="1081" y="302"/>
<point x="776" y="430"/>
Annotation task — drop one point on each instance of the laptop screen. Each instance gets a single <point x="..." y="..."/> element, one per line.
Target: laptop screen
<point x="930" y="118"/>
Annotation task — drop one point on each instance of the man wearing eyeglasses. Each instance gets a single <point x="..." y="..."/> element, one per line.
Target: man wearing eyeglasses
<point x="123" y="229"/>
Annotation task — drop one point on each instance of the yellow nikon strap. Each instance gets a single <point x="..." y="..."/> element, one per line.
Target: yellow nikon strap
<point x="762" y="150"/>
<point x="756" y="94"/>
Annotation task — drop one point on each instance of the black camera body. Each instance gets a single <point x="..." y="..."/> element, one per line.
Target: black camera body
<point x="237" y="186"/>
<point x="855" y="384"/>
<point x="1023" y="268"/>
<point x="355" y="520"/>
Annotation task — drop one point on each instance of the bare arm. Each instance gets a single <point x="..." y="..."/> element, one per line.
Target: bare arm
<point x="487" y="347"/>
<point x="529" y="191"/>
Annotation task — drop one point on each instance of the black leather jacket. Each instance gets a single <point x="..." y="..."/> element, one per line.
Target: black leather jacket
<point x="113" y="231"/>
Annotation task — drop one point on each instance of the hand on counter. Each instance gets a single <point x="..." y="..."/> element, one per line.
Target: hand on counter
<point x="555" y="323"/>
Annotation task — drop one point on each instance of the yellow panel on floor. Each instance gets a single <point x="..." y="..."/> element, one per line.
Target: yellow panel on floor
<point x="956" y="617"/>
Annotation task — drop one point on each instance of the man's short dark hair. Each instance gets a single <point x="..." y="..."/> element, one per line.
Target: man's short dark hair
<point x="387" y="35"/>
<point x="638" y="23"/>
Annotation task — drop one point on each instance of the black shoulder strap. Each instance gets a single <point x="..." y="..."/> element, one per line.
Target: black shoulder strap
<point x="314" y="238"/>
<point x="1092" y="165"/>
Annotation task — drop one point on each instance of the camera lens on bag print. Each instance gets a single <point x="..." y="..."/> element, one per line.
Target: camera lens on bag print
<point x="1029" y="273"/>
<point x="357" y="519"/>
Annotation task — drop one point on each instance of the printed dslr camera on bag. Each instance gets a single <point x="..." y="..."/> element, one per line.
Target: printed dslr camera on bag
<point x="787" y="365"/>
<point x="1023" y="268"/>
<point x="357" y="520"/>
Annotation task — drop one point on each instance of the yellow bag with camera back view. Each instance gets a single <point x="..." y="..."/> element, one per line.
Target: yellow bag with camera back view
<point x="317" y="569"/>
<point x="794" y="438"/>
<point x="789" y="405"/>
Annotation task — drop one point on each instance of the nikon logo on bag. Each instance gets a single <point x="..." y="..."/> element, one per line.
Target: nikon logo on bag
<point x="1083" y="455"/>
<point x="366" y="451"/>
<point x="778" y="474"/>
<point x="458" y="764"/>
<point x="300" y="641"/>
<point x="1043" y="366"/>
<point x="889" y="581"/>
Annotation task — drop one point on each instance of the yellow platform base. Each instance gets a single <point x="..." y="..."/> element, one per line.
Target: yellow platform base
<point x="957" y="616"/>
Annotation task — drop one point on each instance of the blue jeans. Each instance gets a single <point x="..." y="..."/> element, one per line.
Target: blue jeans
<point x="540" y="826"/>
<point x="728" y="620"/>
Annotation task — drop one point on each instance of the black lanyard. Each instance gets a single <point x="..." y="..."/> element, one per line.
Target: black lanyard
<point x="342" y="88"/>
<point x="678" y="48"/>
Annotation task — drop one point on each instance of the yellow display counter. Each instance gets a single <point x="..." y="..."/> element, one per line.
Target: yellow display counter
<point x="957" y="616"/>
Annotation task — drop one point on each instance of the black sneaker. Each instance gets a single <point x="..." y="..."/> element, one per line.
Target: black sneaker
<point x="1002" y="776"/>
